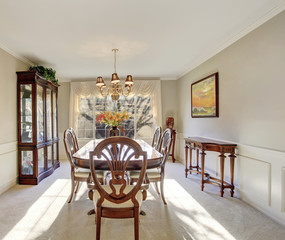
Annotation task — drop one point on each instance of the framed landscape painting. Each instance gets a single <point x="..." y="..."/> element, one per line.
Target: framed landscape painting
<point x="204" y="97"/>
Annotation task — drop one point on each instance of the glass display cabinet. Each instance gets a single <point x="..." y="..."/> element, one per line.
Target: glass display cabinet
<point x="37" y="127"/>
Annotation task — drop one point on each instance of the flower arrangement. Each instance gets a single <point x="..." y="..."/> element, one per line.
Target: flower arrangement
<point x="112" y="118"/>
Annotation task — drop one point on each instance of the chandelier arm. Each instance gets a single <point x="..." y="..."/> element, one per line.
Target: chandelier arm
<point x="128" y="91"/>
<point x="102" y="92"/>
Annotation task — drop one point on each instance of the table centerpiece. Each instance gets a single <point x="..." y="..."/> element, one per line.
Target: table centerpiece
<point x="113" y="119"/>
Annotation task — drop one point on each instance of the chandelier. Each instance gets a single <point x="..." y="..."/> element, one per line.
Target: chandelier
<point x="115" y="89"/>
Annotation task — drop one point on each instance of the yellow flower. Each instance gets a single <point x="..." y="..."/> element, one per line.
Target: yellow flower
<point x="112" y="118"/>
<point x="118" y="115"/>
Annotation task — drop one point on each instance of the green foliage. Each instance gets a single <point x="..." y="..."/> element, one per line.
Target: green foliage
<point x="47" y="73"/>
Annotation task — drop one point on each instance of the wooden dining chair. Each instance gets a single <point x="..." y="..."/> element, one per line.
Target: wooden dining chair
<point x="118" y="199"/>
<point x="75" y="139"/>
<point x="157" y="175"/>
<point x="77" y="174"/>
<point x="121" y="130"/>
<point x="156" y="137"/>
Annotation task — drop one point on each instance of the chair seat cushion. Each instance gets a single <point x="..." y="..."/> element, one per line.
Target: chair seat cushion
<point x="109" y="204"/>
<point x="151" y="173"/>
<point x="81" y="174"/>
<point x="85" y="173"/>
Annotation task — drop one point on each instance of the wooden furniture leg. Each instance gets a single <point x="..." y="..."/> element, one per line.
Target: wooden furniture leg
<point x="190" y="161"/>
<point x="156" y="187"/>
<point x="72" y="188"/>
<point x="136" y="223"/>
<point x="202" y="168"/>
<point x="98" y="223"/>
<point x="222" y="164"/>
<point x="173" y="145"/>
<point x="90" y="194"/>
<point x="162" y="185"/>
<point x="77" y="186"/>
<point x="232" y="166"/>
<point x="197" y="152"/>
<point x="186" y="160"/>
<point x="91" y="212"/>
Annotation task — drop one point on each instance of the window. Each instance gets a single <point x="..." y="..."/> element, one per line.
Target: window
<point x="139" y="125"/>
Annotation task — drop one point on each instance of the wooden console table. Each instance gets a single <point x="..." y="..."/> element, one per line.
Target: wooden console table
<point x="203" y="144"/>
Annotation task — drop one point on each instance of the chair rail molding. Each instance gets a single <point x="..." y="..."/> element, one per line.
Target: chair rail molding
<point x="8" y="147"/>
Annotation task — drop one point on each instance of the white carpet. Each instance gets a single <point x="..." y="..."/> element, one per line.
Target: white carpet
<point x="42" y="212"/>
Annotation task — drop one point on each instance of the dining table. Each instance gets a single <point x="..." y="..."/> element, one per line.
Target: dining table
<point x="81" y="159"/>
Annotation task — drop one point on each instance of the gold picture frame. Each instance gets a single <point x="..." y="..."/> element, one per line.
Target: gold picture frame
<point x="204" y="97"/>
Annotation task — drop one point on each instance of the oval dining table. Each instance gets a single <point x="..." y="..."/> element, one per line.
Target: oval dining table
<point x="82" y="159"/>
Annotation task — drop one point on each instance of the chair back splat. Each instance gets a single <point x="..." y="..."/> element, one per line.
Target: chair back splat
<point x="117" y="199"/>
<point x="75" y="139"/>
<point x="69" y="144"/>
<point x="165" y="144"/>
<point x="156" y="137"/>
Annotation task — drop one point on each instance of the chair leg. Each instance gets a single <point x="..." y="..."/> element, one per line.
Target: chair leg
<point x="98" y="223"/>
<point x="101" y="180"/>
<point x="77" y="186"/>
<point x="136" y="223"/>
<point x="156" y="187"/>
<point x="162" y="190"/>
<point x="72" y="189"/>
<point x="90" y="194"/>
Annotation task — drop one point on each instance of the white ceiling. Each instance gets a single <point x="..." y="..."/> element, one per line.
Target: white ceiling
<point x="157" y="38"/>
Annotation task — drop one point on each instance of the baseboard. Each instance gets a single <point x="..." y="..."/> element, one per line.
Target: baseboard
<point x="4" y="187"/>
<point x="267" y="213"/>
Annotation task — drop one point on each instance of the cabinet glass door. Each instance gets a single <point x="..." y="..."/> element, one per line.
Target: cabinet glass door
<point x="26" y="107"/>
<point x="27" y="163"/>
<point x="48" y="113"/>
<point x="54" y="115"/>
<point x="40" y="114"/>
<point x="49" y="156"/>
<point x="41" y="160"/>
<point x="55" y="159"/>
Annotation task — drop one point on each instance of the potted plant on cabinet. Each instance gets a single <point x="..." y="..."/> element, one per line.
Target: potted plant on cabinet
<point x="47" y="73"/>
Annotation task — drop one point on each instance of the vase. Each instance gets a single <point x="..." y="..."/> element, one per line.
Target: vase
<point x="169" y="122"/>
<point x="114" y="131"/>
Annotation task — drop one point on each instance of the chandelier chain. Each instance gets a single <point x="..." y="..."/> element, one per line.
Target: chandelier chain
<point x="115" y="58"/>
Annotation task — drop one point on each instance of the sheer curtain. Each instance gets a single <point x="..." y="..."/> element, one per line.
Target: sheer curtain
<point x="144" y="88"/>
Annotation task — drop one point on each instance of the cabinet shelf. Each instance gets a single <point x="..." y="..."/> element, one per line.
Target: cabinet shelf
<point x="37" y="127"/>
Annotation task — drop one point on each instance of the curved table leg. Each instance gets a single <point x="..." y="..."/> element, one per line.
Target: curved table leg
<point x="91" y="212"/>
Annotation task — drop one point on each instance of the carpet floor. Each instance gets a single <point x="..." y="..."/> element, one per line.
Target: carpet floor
<point x="41" y="212"/>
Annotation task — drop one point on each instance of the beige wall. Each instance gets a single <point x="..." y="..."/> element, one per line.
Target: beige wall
<point x="251" y="83"/>
<point x="169" y="102"/>
<point x="8" y="120"/>
<point x="63" y="114"/>
<point x="252" y="114"/>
